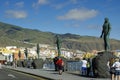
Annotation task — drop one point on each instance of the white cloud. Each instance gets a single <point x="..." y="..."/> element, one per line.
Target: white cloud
<point x="79" y="14"/>
<point x="16" y="14"/>
<point x="59" y="6"/>
<point x="19" y="4"/>
<point x="42" y="1"/>
<point x="64" y="4"/>
<point x="39" y="2"/>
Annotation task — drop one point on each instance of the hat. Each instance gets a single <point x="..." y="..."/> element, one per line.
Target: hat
<point x="117" y="59"/>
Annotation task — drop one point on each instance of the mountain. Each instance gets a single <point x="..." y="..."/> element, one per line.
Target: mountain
<point x="18" y="36"/>
<point x="15" y="35"/>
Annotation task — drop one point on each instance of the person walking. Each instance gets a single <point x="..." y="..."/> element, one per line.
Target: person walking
<point x="60" y="64"/>
<point x="88" y="67"/>
<point x="55" y="60"/>
<point x="116" y="65"/>
<point x="84" y="67"/>
<point x="0" y="66"/>
<point x="15" y="63"/>
<point x="112" y="69"/>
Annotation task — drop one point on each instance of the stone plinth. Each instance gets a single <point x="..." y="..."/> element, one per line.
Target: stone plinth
<point x="100" y="68"/>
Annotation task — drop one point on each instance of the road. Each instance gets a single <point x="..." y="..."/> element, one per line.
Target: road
<point x="7" y="74"/>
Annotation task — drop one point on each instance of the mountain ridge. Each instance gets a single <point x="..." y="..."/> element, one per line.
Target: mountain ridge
<point x="16" y="35"/>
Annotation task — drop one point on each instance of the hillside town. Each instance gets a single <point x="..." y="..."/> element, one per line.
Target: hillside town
<point x="10" y="53"/>
<point x="46" y="51"/>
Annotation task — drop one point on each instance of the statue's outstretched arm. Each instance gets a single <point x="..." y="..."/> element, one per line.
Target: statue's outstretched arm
<point x="101" y="34"/>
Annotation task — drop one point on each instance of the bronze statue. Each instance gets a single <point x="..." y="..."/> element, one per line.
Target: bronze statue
<point x="58" y="42"/>
<point x="105" y="34"/>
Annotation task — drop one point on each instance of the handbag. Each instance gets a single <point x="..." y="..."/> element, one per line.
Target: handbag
<point x="112" y="70"/>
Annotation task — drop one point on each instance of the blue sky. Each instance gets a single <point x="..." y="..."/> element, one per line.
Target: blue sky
<point x="82" y="17"/>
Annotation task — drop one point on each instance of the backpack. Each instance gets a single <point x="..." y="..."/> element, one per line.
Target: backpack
<point x="88" y="64"/>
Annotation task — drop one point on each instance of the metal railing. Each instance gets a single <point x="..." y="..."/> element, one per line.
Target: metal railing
<point x="70" y="65"/>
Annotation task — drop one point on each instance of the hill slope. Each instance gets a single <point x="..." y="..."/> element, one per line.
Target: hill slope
<point x="15" y="35"/>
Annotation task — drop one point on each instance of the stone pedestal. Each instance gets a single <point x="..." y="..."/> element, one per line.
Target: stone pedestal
<point x="38" y="63"/>
<point x="100" y="68"/>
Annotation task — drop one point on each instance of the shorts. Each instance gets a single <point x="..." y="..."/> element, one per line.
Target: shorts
<point x="84" y="68"/>
<point x="117" y="72"/>
<point x="60" y="67"/>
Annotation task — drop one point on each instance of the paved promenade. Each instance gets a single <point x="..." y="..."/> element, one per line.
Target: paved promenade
<point x="53" y="75"/>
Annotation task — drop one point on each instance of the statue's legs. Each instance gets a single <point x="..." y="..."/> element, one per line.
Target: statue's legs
<point x="106" y="43"/>
<point x="59" y="52"/>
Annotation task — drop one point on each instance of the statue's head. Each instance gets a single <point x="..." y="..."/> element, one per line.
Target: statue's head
<point x="57" y="36"/>
<point x="106" y="19"/>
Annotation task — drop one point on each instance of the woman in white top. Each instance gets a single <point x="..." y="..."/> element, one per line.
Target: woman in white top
<point x="116" y="65"/>
<point x="84" y="67"/>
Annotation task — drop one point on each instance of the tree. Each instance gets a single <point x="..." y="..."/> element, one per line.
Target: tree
<point x="38" y="50"/>
<point x="26" y="52"/>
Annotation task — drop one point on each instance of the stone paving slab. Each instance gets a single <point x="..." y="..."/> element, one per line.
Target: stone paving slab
<point x="53" y="75"/>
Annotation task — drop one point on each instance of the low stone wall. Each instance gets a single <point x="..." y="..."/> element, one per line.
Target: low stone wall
<point x="35" y="63"/>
